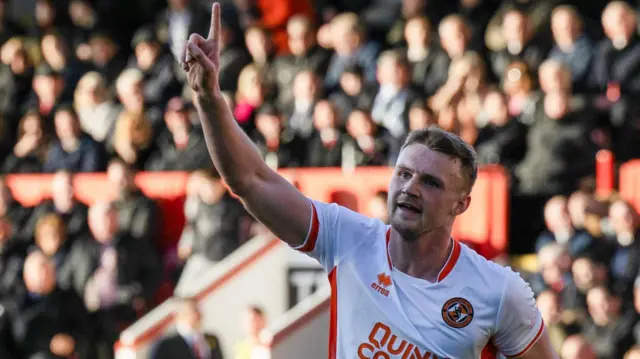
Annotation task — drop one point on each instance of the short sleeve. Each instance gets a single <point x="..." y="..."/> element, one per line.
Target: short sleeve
<point x="333" y="232"/>
<point x="519" y="324"/>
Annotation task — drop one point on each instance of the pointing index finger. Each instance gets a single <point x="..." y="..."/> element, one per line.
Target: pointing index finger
<point x="215" y="29"/>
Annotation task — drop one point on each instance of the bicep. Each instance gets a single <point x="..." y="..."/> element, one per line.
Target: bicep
<point x="541" y="349"/>
<point x="277" y="204"/>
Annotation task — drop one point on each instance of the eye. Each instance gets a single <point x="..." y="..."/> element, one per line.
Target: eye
<point x="404" y="174"/>
<point x="431" y="182"/>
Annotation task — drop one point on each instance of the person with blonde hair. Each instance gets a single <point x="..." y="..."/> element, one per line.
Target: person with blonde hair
<point x="131" y="139"/>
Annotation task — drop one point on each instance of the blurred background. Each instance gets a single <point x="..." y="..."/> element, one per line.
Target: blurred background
<point x="110" y="210"/>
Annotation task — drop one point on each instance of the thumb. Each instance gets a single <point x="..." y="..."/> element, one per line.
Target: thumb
<point x="196" y="53"/>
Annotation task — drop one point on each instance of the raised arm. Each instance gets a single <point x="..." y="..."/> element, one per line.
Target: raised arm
<point x="267" y="196"/>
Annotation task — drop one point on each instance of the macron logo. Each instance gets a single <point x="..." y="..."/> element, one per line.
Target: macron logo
<point x="384" y="281"/>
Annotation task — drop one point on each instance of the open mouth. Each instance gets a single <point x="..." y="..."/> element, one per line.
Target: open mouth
<point x="409" y="207"/>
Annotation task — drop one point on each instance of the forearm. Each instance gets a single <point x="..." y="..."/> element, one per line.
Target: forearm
<point x="233" y="153"/>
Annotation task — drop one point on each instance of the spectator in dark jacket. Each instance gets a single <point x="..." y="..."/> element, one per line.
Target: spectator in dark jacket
<point x="216" y="226"/>
<point x="617" y="58"/>
<point x="73" y="150"/>
<point x="12" y="254"/>
<point x="191" y="340"/>
<point x="306" y="54"/>
<point x="137" y="213"/>
<point x="46" y="321"/>
<point x="182" y="147"/>
<point x="326" y="145"/>
<point x="51" y="240"/>
<point x="157" y="65"/>
<point x="560" y="151"/>
<point x="47" y="95"/>
<point x="503" y="139"/>
<point x="106" y="56"/>
<point x="353" y="92"/>
<point x="31" y="147"/>
<point x="279" y="146"/>
<point x="368" y="144"/>
<point x="65" y="204"/>
<point x="13" y="210"/>
<point x="115" y="274"/>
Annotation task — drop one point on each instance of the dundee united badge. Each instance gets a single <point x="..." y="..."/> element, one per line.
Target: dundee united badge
<point x="457" y="312"/>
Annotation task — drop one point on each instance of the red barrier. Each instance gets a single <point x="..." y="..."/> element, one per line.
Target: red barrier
<point x="605" y="173"/>
<point x="630" y="183"/>
<point x="484" y="225"/>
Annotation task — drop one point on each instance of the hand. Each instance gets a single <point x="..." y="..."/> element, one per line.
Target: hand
<point x="201" y="58"/>
<point x="62" y="345"/>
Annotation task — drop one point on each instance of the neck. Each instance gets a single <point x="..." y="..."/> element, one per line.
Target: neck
<point x="422" y="258"/>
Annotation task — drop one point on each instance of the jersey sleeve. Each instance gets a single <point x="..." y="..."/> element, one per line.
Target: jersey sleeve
<point x="519" y="323"/>
<point x="333" y="232"/>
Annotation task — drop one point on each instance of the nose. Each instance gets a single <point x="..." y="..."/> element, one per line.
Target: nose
<point x="410" y="187"/>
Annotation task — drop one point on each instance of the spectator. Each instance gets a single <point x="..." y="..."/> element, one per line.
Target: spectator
<point x="429" y="63"/>
<point x="616" y="58"/>
<point x="182" y="147"/>
<point x="216" y="226"/>
<point x="588" y="272"/>
<point x="555" y="274"/>
<point x="56" y="53"/>
<point x="550" y="308"/>
<point x="577" y="347"/>
<point x="48" y="90"/>
<point x="306" y="93"/>
<point x="254" y="322"/>
<point x="51" y="240"/>
<point x="156" y="63"/>
<point x="190" y="339"/>
<point x="502" y="140"/>
<point x="84" y="20"/>
<point x="421" y="116"/>
<point x="306" y="54"/>
<point x="12" y="254"/>
<point x="353" y="92"/>
<point x="96" y="109"/>
<point x="180" y="19"/>
<point x="625" y="262"/>
<point x="609" y="328"/>
<point x="233" y="57"/>
<point x="325" y="148"/>
<point x="64" y="204"/>
<point x="391" y="105"/>
<point x="108" y="271"/>
<point x="46" y="321"/>
<point x="577" y="207"/>
<point x="262" y="52"/>
<point x="454" y="36"/>
<point x="73" y="150"/>
<point x="19" y="87"/>
<point x="350" y="46"/>
<point x="129" y="87"/>
<point x="279" y="145"/>
<point x="132" y="139"/>
<point x="572" y="47"/>
<point x="32" y="145"/>
<point x="137" y="213"/>
<point x="49" y="15"/>
<point x="368" y="144"/>
<point x="559" y="149"/>
<point x="561" y="230"/>
<point x="519" y="87"/>
<point x="106" y="56"/>
<point x="377" y="207"/>
<point x="12" y="210"/>
<point x="251" y="95"/>
<point x="521" y="45"/>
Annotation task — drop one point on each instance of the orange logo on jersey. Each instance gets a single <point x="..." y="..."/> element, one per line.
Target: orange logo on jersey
<point x="384" y="281"/>
<point x="383" y="344"/>
<point x="457" y="312"/>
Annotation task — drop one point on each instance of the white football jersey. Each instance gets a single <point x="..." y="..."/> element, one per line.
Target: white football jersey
<point x="476" y="309"/>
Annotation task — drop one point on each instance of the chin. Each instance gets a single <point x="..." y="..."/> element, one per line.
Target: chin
<point x="409" y="233"/>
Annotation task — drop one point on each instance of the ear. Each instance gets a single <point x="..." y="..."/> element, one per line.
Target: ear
<point x="462" y="205"/>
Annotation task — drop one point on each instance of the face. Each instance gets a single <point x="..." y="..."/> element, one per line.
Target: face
<point x="132" y="96"/>
<point x="300" y="39"/>
<point x="50" y="239"/>
<point x="514" y="26"/>
<point x="577" y="349"/>
<point x="118" y="177"/>
<point x="45" y="13"/>
<point x="45" y="86"/>
<point x="618" y="26"/>
<point x="62" y="187"/>
<point x="146" y="54"/>
<point x="577" y="205"/>
<point x="31" y="126"/>
<point x="359" y="124"/>
<point x="103" y="224"/>
<point x="39" y="274"/>
<point x="65" y="125"/>
<point x="453" y="38"/>
<point x="420" y="118"/>
<point x="563" y="26"/>
<point x="268" y="125"/>
<point x="52" y="50"/>
<point x="257" y="43"/>
<point x="351" y="83"/>
<point x="416" y="33"/>
<point x="621" y="218"/>
<point x="324" y="116"/>
<point x="556" y="105"/>
<point x="427" y="191"/>
<point x="584" y="275"/>
<point x="304" y="86"/>
<point x="495" y="105"/>
<point x="254" y="323"/>
<point x="599" y="304"/>
<point x="557" y="216"/>
<point x="177" y="121"/>
<point x="549" y="307"/>
<point x="101" y="50"/>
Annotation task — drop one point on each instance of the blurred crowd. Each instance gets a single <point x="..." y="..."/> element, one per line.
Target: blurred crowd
<point x="537" y="87"/>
